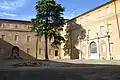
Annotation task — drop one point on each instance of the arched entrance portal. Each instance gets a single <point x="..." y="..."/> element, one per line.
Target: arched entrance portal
<point x="15" y="52"/>
<point x="93" y="48"/>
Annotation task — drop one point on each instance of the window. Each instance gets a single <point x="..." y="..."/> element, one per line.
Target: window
<point x="107" y="10"/>
<point x="8" y="25"/>
<point x="88" y="17"/>
<point x="102" y="30"/>
<point x="109" y="28"/>
<point x="1" y="50"/>
<point x="28" y="38"/>
<point x="93" y="48"/>
<point x="16" y="37"/>
<point x="28" y="27"/>
<point x="3" y="25"/>
<point x="99" y="13"/>
<point x="49" y="51"/>
<point x="82" y="20"/>
<point x="16" y="26"/>
<point x="56" y="52"/>
<point x="20" y="25"/>
<point x="40" y="51"/>
<point x="3" y="37"/>
<point x="28" y="50"/>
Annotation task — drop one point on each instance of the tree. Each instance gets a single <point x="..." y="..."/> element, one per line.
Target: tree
<point x="48" y="22"/>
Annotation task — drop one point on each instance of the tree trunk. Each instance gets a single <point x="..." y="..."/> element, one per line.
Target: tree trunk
<point x="46" y="48"/>
<point x="37" y="48"/>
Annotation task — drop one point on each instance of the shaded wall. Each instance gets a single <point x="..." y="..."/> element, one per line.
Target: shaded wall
<point x="74" y="33"/>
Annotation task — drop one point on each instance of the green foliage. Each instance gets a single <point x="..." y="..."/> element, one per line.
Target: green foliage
<point x="48" y="20"/>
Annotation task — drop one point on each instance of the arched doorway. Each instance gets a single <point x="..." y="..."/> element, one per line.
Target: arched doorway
<point x="93" y="48"/>
<point x="15" y="52"/>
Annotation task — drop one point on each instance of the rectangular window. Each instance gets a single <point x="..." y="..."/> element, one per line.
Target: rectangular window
<point x="99" y="13"/>
<point x="102" y="30"/>
<point x="28" y="38"/>
<point x="16" y="37"/>
<point x="40" y="51"/>
<point x="50" y="51"/>
<point x="3" y="37"/>
<point x="28" y="26"/>
<point x="1" y="50"/>
<point x="16" y="26"/>
<point x="28" y="50"/>
<point x="3" y="25"/>
<point x="88" y="17"/>
<point x="107" y="10"/>
<point x="109" y="28"/>
<point x="8" y="25"/>
<point x="82" y="20"/>
<point x="56" y="52"/>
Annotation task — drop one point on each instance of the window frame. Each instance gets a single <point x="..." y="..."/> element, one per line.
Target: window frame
<point x="109" y="26"/>
<point x="3" y="37"/>
<point x="102" y="31"/>
<point x="56" y="54"/>
<point x="28" y="50"/>
<point x="28" y="38"/>
<point x="3" y="25"/>
<point x="16" y="38"/>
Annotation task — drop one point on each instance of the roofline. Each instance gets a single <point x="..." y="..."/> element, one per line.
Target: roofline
<point x="15" y="20"/>
<point x="90" y="10"/>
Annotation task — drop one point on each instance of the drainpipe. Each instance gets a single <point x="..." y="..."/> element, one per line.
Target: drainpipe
<point x="117" y="20"/>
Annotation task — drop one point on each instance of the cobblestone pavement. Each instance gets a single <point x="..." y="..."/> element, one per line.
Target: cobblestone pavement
<point x="62" y="70"/>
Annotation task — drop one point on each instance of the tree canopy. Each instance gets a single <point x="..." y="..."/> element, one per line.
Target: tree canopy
<point x="49" y="21"/>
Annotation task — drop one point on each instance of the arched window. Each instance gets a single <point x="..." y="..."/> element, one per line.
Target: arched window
<point x="3" y="25"/>
<point x="93" y="48"/>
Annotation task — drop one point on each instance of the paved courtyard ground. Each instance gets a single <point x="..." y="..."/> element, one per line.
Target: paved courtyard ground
<point x="61" y="70"/>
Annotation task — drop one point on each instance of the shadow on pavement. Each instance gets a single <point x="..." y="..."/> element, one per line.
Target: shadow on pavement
<point x="52" y="70"/>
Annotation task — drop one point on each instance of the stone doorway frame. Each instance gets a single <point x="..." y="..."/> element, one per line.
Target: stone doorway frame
<point x="15" y="54"/>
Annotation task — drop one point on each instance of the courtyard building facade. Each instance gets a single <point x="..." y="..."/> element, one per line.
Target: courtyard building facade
<point x="17" y="41"/>
<point x="94" y="34"/>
